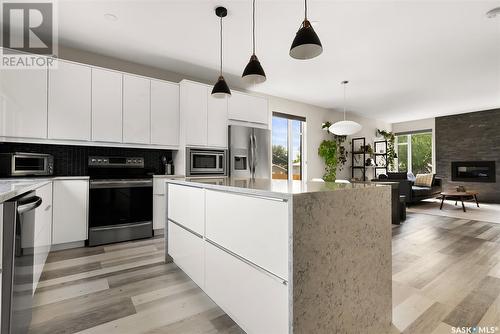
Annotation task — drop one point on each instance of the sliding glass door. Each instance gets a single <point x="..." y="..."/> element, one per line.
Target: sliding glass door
<point x="288" y="143"/>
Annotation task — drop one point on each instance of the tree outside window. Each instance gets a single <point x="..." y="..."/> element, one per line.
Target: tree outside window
<point x="415" y="153"/>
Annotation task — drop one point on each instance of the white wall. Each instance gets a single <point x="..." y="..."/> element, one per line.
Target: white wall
<point x="418" y="125"/>
<point x="315" y="116"/>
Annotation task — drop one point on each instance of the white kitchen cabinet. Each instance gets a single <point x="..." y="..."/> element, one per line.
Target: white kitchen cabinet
<point x="43" y="231"/>
<point x="69" y="111"/>
<point x="261" y="234"/>
<point x="186" y="206"/>
<point x="187" y="250"/>
<point x="70" y="214"/>
<point x="254" y="299"/>
<point x="217" y="122"/>
<point x="106" y="105"/>
<point x="136" y="110"/>
<point x="193" y="108"/>
<point x="164" y="113"/>
<point x="159" y="204"/>
<point x="248" y="108"/>
<point x="23" y="103"/>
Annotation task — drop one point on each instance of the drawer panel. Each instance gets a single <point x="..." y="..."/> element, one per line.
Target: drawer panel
<point x="186" y="206"/>
<point x="255" y="300"/>
<point x="252" y="227"/>
<point x="188" y="253"/>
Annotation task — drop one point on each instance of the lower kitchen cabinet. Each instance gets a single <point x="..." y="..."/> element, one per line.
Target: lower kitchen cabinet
<point x="187" y="250"/>
<point x="159" y="211"/>
<point x="70" y="217"/>
<point x="255" y="299"/>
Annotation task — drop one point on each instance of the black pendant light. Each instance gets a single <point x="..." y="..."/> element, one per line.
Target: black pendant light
<point x="306" y="44"/>
<point x="253" y="73"/>
<point x="221" y="89"/>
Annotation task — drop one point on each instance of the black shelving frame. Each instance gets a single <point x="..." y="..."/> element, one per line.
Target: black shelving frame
<point x="376" y="155"/>
<point x="358" y="153"/>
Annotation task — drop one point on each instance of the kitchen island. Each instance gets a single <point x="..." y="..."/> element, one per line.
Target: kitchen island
<point x="286" y="257"/>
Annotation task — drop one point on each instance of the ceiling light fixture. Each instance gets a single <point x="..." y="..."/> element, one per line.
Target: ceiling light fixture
<point x="493" y="13"/>
<point x="221" y="89"/>
<point x="345" y="128"/>
<point x="253" y="72"/>
<point x="306" y="44"/>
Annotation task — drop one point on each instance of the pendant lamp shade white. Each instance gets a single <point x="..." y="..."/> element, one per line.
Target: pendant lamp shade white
<point x="345" y="127"/>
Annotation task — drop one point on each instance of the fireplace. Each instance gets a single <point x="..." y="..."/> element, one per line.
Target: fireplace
<point x="473" y="171"/>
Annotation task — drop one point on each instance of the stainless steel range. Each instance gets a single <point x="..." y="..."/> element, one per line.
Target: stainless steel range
<point x="120" y="200"/>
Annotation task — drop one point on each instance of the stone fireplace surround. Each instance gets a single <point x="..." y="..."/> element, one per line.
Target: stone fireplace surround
<point x="472" y="136"/>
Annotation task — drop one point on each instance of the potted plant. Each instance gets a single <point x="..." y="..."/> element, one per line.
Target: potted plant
<point x="391" y="152"/>
<point x="328" y="151"/>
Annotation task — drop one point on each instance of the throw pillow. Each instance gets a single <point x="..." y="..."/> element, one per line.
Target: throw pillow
<point x="424" y="180"/>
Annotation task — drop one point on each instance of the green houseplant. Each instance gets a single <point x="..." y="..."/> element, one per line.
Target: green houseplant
<point x="391" y="151"/>
<point x="328" y="151"/>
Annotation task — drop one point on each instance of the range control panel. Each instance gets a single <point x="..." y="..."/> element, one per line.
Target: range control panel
<point x="98" y="161"/>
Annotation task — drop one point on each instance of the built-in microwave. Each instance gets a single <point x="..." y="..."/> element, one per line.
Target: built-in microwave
<point x="21" y="164"/>
<point x="205" y="162"/>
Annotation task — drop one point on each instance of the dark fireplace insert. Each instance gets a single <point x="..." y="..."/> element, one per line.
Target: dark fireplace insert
<point x="473" y="171"/>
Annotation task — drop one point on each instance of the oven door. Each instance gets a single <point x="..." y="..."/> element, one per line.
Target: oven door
<point x="207" y="163"/>
<point x="120" y="210"/>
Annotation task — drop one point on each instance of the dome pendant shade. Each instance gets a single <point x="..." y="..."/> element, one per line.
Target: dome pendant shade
<point x="345" y="128"/>
<point x="306" y="44"/>
<point x="254" y="73"/>
<point x="221" y="89"/>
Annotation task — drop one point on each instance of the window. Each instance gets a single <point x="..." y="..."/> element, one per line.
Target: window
<point x="287" y="141"/>
<point x="415" y="152"/>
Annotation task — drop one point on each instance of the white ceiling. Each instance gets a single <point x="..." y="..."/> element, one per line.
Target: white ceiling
<point x="405" y="59"/>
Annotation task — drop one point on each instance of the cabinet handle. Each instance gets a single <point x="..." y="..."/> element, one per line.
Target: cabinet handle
<point x="251" y="264"/>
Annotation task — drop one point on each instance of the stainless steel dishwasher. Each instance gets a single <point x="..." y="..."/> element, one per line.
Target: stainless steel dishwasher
<point x="17" y="262"/>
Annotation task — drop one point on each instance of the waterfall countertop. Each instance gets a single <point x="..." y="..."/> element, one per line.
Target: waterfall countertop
<point x="12" y="187"/>
<point x="272" y="188"/>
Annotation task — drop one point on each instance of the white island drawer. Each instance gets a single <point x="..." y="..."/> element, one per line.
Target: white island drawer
<point x="186" y="206"/>
<point x="254" y="299"/>
<point x="187" y="250"/>
<point x="255" y="228"/>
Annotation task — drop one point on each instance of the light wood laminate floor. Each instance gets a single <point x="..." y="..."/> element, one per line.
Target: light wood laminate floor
<point x="446" y="272"/>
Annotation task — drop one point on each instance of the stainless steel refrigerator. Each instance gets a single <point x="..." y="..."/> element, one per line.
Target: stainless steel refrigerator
<point x="249" y="152"/>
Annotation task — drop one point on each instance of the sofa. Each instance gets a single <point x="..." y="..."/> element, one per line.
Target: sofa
<point x="412" y="192"/>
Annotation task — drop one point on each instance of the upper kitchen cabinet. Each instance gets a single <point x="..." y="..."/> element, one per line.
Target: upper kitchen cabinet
<point x="136" y="110"/>
<point x="106" y="105"/>
<point x="248" y="108"/>
<point x="69" y="114"/>
<point x="193" y="108"/>
<point x="216" y="122"/>
<point x="23" y="103"/>
<point x="164" y="113"/>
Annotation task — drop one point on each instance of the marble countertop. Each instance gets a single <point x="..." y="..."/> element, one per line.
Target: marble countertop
<point x="273" y="188"/>
<point x="12" y="187"/>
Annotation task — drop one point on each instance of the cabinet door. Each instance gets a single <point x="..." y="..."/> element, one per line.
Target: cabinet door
<point x="217" y="122"/>
<point x="70" y="213"/>
<point x="23" y="103"/>
<point x="248" y="108"/>
<point x="187" y="250"/>
<point x="186" y="206"/>
<point x="106" y="105"/>
<point x="136" y="110"/>
<point x="69" y="101"/>
<point x="257" y="301"/>
<point x="164" y="113"/>
<point x="194" y="113"/>
<point x="159" y="211"/>
<point x="254" y="228"/>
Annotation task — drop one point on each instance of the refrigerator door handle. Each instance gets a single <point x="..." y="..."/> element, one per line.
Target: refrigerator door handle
<point x="250" y="155"/>
<point x="254" y="155"/>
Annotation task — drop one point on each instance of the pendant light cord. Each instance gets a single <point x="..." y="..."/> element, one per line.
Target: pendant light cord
<point x="221" y="45"/>
<point x="253" y="28"/>
<point x="305" y="9"/>
<point x="344" y="83"/>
